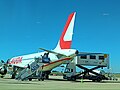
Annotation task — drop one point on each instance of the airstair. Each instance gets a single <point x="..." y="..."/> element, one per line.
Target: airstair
<point x="32" y="70"/>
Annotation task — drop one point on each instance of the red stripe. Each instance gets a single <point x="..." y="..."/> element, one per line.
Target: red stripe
<point x="57" y="61"/>
<point x="66" y="44"/>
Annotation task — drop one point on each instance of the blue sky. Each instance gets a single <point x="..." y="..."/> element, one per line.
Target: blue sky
<point x="26" y="25"/>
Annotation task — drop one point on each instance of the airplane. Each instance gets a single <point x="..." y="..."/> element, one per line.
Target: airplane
<point x="57" y="56"/>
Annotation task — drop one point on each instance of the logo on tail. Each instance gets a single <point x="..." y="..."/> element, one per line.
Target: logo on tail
<point x="66" y="37"/>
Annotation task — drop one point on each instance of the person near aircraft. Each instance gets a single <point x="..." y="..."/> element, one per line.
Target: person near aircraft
<point x="45" y="58"/>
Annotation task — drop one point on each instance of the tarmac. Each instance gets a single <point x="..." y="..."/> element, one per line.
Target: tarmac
<point x="58" y="83"/>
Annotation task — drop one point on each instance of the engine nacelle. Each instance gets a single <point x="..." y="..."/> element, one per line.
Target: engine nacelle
<point x="3" y="70"/>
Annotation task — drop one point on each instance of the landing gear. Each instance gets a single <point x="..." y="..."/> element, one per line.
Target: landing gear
<point x="14" y="72"/>
<point x="41" y="79"/>
<point x="30" y="79"/>
<point x="46" y="76"/>
<point x="13" y="76"/>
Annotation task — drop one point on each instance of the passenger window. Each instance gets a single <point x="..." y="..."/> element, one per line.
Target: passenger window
<point x="101" y="57"/>
<point x="84" y="57"/>
<point x="92" y="57"/>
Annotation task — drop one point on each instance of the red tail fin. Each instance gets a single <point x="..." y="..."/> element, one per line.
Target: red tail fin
<point x="66" y="37"/>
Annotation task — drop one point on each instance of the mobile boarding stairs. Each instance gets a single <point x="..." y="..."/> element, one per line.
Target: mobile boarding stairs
<point x="32" y="71"/>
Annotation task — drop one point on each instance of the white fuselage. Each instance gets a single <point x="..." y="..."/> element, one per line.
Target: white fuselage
<point x="24" y="60"/>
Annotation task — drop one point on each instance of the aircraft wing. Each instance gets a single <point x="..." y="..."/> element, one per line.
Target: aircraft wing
<point x="59" y="55"/>
<point x="73" y="55"/>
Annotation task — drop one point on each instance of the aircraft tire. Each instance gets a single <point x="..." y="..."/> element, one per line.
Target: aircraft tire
<point x="13" y="76"/>
<point x="42" y="79"/>
<point x="30" y="79"/>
